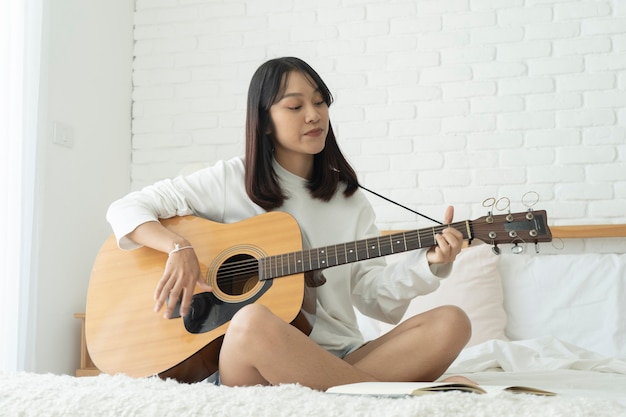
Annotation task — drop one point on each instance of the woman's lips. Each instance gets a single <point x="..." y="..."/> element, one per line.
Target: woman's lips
<point x="314" y="132"/>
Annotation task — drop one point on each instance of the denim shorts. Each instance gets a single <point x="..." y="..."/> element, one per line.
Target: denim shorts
<point x="345" y="352"/>
<point x="214" y="379"/>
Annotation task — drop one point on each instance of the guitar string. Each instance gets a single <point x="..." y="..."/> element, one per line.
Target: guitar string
<point x="234" y="271"/>
<point x="250" y="267"/>
<point x="420" y="235"/>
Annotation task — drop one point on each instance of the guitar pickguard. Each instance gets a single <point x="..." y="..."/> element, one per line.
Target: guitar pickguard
<point x="207" y="312"/>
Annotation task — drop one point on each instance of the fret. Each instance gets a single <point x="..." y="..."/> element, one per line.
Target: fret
<point x="387" y="245"/>
<point x="306" y="255"/>
<point x="322" y="261"/>
<point x="261" y="266"/>
<point x="331" y="256"/>
<point x="361" y="250"/>
<point x="289" y="264"/>
<point x="282" y="265"/>
<point x="398" y="242"/>
<point x="429" y="238"/>
<point x="268" y="268"/>
<point x="383" y="246"/>
<point x="413" y="240"/>
<point x="351" y="252"/>
<point x="373" y="248"/>
<point x="275" y="266"/>
<point x="315" y="260"/>
<point x="418" y="238"/>
<point x="298" y="262"/>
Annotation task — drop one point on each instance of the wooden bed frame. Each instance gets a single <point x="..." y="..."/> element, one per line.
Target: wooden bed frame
<point x="589" y="231"/>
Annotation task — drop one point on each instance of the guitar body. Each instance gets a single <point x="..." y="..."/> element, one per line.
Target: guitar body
<point x="125" y="335"/>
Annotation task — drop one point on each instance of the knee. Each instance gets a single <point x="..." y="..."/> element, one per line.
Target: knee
<point x="248" y="320"/>
<point x="455" y="323"/>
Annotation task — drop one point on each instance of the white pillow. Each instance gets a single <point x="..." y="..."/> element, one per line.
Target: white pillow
<point x="576" y="298"/>
<point x="474" y="285"/>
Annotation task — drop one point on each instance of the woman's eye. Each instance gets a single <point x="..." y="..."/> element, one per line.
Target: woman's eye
<point x="294" y="107"/>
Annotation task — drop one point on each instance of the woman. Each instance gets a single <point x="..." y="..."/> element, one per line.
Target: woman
<point x="293" y="164"/>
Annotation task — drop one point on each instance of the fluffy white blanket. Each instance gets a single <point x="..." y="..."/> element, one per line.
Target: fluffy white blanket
<point x="588" y="385"/>
<point x="27" y="394"/>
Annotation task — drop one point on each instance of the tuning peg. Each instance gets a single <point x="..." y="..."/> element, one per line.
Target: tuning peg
<point x="495" y="249"/>
<point x="517" y="249"/>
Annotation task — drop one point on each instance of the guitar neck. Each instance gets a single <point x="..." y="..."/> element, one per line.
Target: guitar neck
<point x="334" y="255"/>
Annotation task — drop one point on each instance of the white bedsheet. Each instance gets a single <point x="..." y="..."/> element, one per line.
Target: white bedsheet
<point x="546" y="363"/>
<point x="546" y="353"/>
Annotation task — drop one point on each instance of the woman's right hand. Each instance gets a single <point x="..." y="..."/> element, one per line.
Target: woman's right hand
<point x="182" y="269"/>
<point x="181" y="275"/>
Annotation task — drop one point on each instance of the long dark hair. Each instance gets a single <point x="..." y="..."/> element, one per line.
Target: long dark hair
<point x="330" y="167"/>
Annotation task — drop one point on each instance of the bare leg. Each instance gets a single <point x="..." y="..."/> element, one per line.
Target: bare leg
<point x="419" y="349"/>
<point x="260" y="348"/>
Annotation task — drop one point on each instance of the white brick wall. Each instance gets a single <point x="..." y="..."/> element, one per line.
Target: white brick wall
<point x="437" y="101"/>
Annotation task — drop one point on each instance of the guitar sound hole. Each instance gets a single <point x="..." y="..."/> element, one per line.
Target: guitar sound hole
<point x="238" y="275"/>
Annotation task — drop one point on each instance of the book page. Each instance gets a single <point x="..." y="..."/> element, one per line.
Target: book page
<point x="401" y="389"/>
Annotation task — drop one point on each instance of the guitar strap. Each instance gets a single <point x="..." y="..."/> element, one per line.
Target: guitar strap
<point x="400" y="205"/>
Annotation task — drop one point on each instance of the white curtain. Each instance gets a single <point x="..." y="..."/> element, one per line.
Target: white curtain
<point x="20" y="46"/>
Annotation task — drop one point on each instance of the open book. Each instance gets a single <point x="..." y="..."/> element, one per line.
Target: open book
<point x="401" y="389"/>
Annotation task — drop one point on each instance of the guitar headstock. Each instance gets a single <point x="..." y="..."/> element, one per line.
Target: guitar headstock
<point x="515" y="228"/>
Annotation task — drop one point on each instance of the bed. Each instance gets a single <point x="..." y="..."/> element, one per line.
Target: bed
<point x="551" y="320"/>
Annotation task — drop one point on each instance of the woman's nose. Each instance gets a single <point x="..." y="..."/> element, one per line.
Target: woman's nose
<point x="312" y="115"/>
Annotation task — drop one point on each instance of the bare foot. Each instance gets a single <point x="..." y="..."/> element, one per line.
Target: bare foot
<point x="460" y="379"/>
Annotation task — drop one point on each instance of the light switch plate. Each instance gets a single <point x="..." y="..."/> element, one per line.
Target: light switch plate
<point x="63" y="134"/>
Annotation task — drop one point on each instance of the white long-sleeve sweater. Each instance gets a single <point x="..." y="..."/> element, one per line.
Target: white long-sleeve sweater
<point x="217" y="193"/>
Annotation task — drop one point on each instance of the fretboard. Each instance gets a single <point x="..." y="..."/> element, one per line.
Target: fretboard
<point x="325" y="257"/>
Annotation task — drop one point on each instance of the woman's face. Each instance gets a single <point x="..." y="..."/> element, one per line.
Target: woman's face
<point x="299" y="124"/>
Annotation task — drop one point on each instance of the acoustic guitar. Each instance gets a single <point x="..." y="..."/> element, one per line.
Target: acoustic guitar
<point x="258" y="260"/>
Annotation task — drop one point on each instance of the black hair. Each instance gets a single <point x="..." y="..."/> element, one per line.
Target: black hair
<point x="330" y="167"/>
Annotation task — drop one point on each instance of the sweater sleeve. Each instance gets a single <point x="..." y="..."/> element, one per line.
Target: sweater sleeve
<point x="201" y="194"/>
<point x="383" y="291"/>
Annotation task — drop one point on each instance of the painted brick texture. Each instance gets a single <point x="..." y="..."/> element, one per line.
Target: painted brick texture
<point x="437" y="101"/>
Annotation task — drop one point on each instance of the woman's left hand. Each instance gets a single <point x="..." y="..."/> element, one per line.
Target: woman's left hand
<point x="449" y="242"/>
